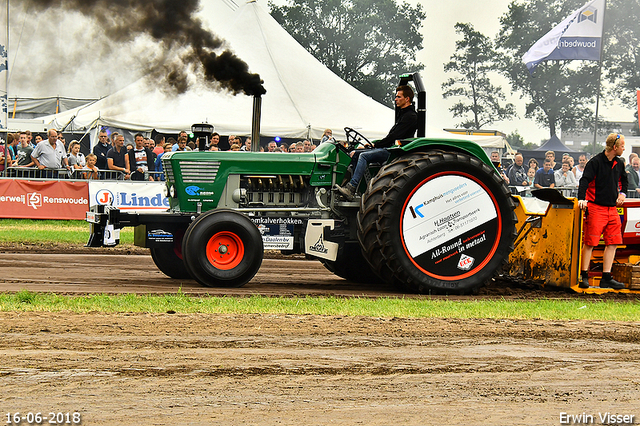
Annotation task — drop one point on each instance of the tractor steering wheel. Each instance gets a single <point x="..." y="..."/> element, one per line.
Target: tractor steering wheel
<point x="355" y="138"/>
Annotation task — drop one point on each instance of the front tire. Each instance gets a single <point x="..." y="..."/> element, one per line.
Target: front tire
<point x="222" y="248"/>
<point x="440" y="221"/>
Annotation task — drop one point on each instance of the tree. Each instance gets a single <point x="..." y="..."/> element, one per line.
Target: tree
<point x="622" y="53"/>
<point x="481" y="100"/>
<point x="515" y="139"/>
<point x="560" y="93"/>
<point x="366" y="43"/>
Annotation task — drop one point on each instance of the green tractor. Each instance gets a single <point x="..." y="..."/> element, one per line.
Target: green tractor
<point x="436" y="217"/>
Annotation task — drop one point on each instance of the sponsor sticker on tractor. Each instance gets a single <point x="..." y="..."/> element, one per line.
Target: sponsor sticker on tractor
<point x="449" y="225"/>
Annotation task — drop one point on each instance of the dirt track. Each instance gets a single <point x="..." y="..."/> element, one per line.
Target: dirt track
<point x="142" y="369"/>
<point x="73" y="271"/>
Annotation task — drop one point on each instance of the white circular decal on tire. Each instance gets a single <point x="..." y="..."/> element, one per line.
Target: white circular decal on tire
<point x="450" y="224"/>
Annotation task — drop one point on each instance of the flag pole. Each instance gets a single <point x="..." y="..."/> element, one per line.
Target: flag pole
<point x="5" y="126"/>
<point x="595" y="124"/>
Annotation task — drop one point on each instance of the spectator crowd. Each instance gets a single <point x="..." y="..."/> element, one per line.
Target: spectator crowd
<point x="564" y="175"/>
<point x="28" y="155"/>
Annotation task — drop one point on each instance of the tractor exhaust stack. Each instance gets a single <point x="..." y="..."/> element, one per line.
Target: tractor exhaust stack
<point x="255" y="123"/>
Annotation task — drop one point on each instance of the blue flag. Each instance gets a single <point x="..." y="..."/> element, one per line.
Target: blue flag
<point x="579" y="36"/>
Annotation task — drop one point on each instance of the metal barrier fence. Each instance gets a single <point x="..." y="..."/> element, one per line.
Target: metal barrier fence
<point x="33" y="173"/>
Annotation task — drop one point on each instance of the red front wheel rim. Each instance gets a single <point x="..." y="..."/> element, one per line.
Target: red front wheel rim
<point x="225" y="250"/>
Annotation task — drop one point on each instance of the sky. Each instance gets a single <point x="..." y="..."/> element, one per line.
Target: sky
<point x="65" y="61"/>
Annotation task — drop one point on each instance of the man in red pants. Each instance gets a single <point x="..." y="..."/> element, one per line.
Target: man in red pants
<point x="603" y="186"/>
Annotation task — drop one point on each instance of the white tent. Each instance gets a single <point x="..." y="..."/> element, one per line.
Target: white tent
<point x="303" y="96"/>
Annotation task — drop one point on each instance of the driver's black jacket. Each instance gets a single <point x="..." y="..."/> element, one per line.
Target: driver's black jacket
<point x="405" y="127"/>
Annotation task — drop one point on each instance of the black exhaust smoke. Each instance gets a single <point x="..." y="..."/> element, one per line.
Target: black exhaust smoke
<point x="188" y="46"/>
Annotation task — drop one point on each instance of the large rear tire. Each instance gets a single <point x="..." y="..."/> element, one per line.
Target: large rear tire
<point x="440" y="221"/>
<point x="169" y="259"/>
<point x="222" y="248"/>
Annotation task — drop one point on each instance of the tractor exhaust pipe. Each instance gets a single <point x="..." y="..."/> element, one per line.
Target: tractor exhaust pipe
<point x="255" y="123"/>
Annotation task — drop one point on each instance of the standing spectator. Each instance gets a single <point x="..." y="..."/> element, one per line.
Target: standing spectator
<point x="552" y="156"/>
<point x="633" y="176"/>
<point x="50" y="154"/>
<point x="141" y="160"/>
<point x="531" y="175"/>
<point x="171" y="141"/>
<point x="37" y="138"/>
<point x="24" y="151"/>
<point x="181" y="145"/>
<point x="149" y="144"/>
<point x="62" y="139"/>
<point x="544" y="176"/>
<point x="159" y="148"/>
<point x="3" y="157"/>
<point x="117" y="158"/>
<point x="579" y="169"/>
<point x="101" y="149"/>
<point x="533" y="163"/>
<point x="158" y="163"/>
<point x="272" y="146"/>
<point x="602" y="188"/>
<point x="215" y="140"/>
<point x="308" y="146"/>
<point x="12" y="149"/>
<point x="631" y="157"/>
<point x="327" y="136"/>
<point x="564" y="178"/>
<point x="30" y="138"/>
<point x="92" y="171"/>
<point x="299" y="146"/>
<point x="517" y="172"/>
<point x="495" y="159"/>
<point x="284" y="147"/>
<point x="75" y="157"/>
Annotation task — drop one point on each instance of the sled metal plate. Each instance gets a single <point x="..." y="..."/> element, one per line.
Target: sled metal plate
<point x="315" y="243"/>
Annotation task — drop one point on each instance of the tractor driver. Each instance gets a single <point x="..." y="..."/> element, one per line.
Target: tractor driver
<point x="405" y="127"/>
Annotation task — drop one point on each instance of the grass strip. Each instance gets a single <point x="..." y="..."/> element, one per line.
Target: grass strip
<point x="51" y="231"/>
<point x="383" y="307"/>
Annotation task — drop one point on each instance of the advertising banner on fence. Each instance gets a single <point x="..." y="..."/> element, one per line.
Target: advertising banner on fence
<point x="43" y="200"/>
<point x="129" y="196"/>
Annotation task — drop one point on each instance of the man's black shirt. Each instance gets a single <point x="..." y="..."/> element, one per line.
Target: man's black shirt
<point x="405" y="127"/>
<point x="100" y="151"/>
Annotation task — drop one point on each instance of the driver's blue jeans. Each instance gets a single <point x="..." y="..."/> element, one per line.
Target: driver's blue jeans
<point x="377" y="155"/>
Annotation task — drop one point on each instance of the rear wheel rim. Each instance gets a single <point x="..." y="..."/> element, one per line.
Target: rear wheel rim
<point x="225" y="250"/>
